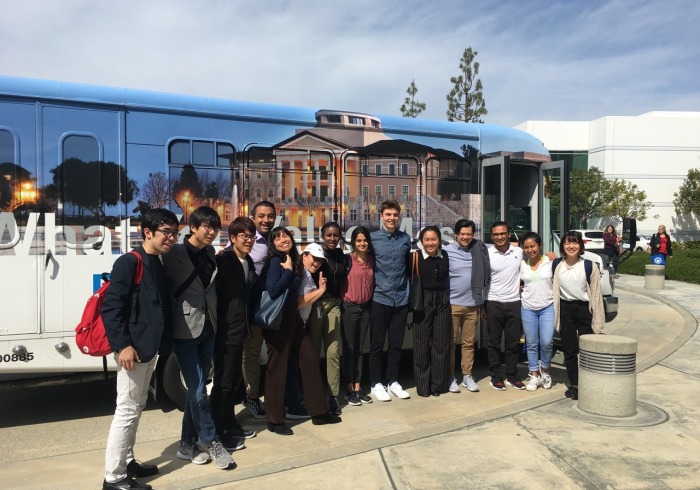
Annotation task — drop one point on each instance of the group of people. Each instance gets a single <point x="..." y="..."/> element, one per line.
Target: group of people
<point x="200" y="304"/>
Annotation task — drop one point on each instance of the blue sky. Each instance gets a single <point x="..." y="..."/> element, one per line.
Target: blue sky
<point x="567" y="60"/>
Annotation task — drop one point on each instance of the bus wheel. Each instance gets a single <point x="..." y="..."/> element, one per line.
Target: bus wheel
<point x="173" y="383"/>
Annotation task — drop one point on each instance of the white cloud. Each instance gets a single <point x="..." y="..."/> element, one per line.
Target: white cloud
<point x="539" y="60"/>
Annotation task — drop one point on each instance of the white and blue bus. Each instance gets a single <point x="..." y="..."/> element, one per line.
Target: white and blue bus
<point x="78" y="163"/>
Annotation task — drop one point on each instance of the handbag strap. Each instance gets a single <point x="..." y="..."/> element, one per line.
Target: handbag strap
<point x="415" y="270"/>
<point x="183" y="287"/>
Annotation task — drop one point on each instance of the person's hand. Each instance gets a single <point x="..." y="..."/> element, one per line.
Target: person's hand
<point x="322" y="281"/>
<point x="128" y="357"/>
<point x="287" y="264"/>
<point x="482" y="312"/>
<point x="551" y="256"/>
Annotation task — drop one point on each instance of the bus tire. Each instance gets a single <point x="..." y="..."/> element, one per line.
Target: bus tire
<point x="173" y="383"/>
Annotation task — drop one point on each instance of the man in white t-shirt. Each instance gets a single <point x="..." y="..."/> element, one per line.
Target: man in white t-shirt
<point x="503" y="308"/>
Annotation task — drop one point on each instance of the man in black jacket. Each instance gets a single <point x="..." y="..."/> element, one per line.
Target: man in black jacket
<point x="136" y="330"/>
<point x="234" y="283"/>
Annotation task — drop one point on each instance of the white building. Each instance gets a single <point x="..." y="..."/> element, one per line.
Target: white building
<point x="653" y="151"/>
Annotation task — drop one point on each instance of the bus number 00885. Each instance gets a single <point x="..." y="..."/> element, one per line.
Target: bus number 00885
<point x="29" y="356"/>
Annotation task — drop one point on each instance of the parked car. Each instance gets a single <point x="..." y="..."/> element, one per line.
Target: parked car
<point x="641" y="245"/>
<point x="592" y="240"/>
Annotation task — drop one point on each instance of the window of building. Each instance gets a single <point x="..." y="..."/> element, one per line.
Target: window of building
<point x="365" y="169"/>
<point x="353" y="215"/>
<point x="392" y="169"/>
<point x="392" y="190"/>
<point x="7" y="147"/>
<point x="404" y="169"/>
<point x="378" y="169"/>
<point x="270" y="192"/>
<point x="323" y="170"/>
<point x="404" y="190"/>
<point x="334" y="118"/>
<point x="366" y="215"/>
<point x="378" y="190"/>
<point x="357" y="121"/>
<point x="258" y="193"/>
<point x="365" y="192"/>
<point x="324" y="191"/>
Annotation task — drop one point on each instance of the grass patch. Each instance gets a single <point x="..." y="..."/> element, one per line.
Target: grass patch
<point x="684" y="266"/>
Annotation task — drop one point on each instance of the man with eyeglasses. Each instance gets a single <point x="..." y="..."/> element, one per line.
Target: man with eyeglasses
<point x="470" y="275"/>
<point x="235" y="280"/>
<point x="503" y="307"/>
<point x="136" y="337"/>
<point x="190" y="269"/>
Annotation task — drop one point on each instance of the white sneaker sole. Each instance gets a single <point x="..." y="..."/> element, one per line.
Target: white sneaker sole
<point x="401" y="396"/>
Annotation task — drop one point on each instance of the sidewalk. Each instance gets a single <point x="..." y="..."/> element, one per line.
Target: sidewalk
<point x="490" y="439"/>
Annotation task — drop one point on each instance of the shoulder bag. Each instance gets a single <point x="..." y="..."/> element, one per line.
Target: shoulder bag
<point x="268" y="312"/>
<point x="415" y="287"/>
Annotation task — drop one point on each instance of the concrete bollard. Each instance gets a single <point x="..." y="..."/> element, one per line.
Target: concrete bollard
<point x="654" y="276"/>
<point x="607" y="382"/>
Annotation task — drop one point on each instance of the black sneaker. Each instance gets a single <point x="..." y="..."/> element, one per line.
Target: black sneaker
<point x="333" y="406"/>
<point x="232" y="443"/>
<point x="515" y="383"/>
<point x="572" y="393"/>
<point x="497" y="384"/>
<point x="364" y="397"/>
<point x="353" y="398"/>
<point x="255" y="406"/>
<point x="298" y="413"/>
<point x="240" y="432"/>
<point x="326" y="418"/>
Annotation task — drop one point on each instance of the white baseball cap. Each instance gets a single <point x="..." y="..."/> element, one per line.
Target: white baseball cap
<point x="316" y="250"/>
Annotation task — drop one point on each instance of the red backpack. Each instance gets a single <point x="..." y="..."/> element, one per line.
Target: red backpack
<point x="90" y="333"/>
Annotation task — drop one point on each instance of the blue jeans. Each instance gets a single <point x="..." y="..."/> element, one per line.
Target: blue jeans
<point x="539" y="334"/>
<point x="194" y="357"/>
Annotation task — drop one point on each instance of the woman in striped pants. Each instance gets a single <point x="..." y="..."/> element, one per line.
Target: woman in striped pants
<point x="432" y="327"/>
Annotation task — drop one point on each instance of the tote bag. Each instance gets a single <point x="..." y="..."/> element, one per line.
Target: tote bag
<point x="415" y="288"/>
<point x="268" y="313"/>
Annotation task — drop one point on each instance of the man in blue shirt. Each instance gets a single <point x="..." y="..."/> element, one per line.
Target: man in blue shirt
<point x="392" y="250"/>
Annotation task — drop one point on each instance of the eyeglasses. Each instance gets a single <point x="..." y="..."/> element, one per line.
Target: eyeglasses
<point x="167" y="233"/>
<point x="246" y="236"/>
<point x="209" y="229"/>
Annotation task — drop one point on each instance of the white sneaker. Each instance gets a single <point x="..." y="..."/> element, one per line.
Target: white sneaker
<point x="396" y="390"/>
<point x="454" y="387"/>
<point x="379" y="392"/>
<point x="532" y="383"/>
<point x="546" y="381"/>
<point x="469" y="383"/>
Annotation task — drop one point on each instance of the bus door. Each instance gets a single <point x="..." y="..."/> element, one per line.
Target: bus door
<point x="20" y="250"/>
<point x="201" y="173"/>
<point x="553" y="203"/>
<point x="301" y="183"/>
<point x="85" y="191"/>
<point x="372" y="179"/>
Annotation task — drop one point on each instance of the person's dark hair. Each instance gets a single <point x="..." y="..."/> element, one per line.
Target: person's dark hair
<point x="499" y="223"/>
<point x="531" y="235"/>
<point x="154" y="218"/>
<point x="572" y="237"/>
<point x="263" y="204"/>
<point x="241" y="225"/>
<point x="204" y="215"/>
<point x="390" y="204"/>
<point x="434" y="229"/>
<point x="293" y="252"/>
<point x="610" y="226"/>
<point x="464" y="223"/>
<point x="361" y="230"/>
<point x="330" y="224"/>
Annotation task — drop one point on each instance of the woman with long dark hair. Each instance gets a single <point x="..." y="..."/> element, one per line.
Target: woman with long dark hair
<point x="282" y="272"/>
<point x="578" y="302"/>
<point x="356" y="293"/>
<point x="612" y="245"/>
